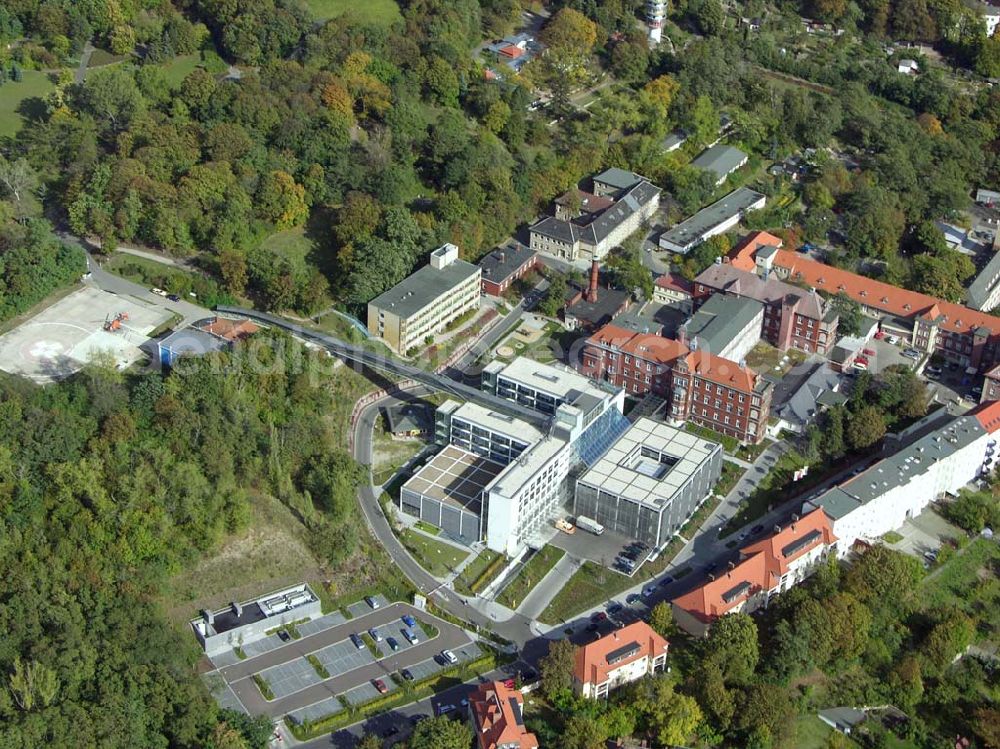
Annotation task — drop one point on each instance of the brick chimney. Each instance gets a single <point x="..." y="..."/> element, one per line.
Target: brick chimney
<point x="595" y="273"/>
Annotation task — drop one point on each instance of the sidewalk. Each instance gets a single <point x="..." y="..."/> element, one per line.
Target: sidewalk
<point x="542" y="594"/>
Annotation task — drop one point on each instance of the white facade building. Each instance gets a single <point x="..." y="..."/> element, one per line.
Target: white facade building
<point x="901" y="486"/>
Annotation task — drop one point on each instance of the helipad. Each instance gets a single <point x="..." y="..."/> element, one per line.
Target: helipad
<point x="61" y="339"/>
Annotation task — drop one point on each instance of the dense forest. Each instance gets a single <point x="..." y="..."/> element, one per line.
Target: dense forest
<point x="108" y="485"/>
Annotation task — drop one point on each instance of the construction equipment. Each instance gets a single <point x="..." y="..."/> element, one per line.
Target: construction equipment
<point x="111" y="324"/>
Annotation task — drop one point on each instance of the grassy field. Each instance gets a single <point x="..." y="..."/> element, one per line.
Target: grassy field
<point x="436" y="557"/>
<point x="178" y="68"/>
<point x="20" y="96"/>
<point x="812" y="733"/>
<point x="590" y="585"/>
<point x="964" y="580"/>
<point x="381" y="12"/>
<point x="530" y="575"/>
<point x="475" y="571"/>
<point x="292" y="243"/>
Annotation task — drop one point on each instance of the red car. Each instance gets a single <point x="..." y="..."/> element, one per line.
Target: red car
<point x="868" y="352"/>
<point x="380" y="686"/>
<point x="861" y="360"/>
<point x="509" y="683"/>
<point x="879" y="335"/>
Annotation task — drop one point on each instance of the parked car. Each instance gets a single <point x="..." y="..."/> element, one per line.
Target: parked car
<point x="283" y="635"/>
<point x="445" y="709"/>
<point x="598" y="616"/>
<point x="666" y="581"/>
<point x="509" y="683"/>
<point x="411" y="636"/>
<point x="405" y="673"/>
<point x="449" y="656"/>
<point x="879" y="335"/>
<point x="614" y="608"/>
<point x="392" y="642"/>
<point x="158" y="292"/>
<point x="380" y="686"/>
<point x="648" y="591"/>
<point x="868" y="351"/>
<point x="173" y="297"/>
<point x="757" y="528"/>
<point x="911" y="353"/>
<point x="371" y="602"/>
<point x="893" y="339"/>
<point x="633" y="598"/>
<point x="409" y="621"/>
<point x="374" y="634"/>
<point x="933" y="371"/>
<point x="358" y="642"/>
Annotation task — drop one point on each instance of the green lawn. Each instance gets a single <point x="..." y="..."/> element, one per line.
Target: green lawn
<point x="434" y="556"/>
<point x="812" y="733"/>
<point x="529" y="576"/>
<point x="382" y="12"/>
<point x="962" y="580"/>
<point x="292" y="243"/>
<point x="590" y="585"/>
<point x="472" y="578"/>
<point x="26" y="94"/>
<point x="178" y="68"/>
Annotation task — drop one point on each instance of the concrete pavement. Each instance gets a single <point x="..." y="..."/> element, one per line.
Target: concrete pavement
<point x="542" y="594"/>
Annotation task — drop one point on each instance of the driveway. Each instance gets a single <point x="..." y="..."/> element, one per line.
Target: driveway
<point x="926" y="532"/>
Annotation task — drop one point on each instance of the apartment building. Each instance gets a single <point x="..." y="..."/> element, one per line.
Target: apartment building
<point x="626" y="655"/>
<point x="649" y="482"/>
<point x="901" y="486"/>
<point x="766" y="568"/>
<point x="426" y="301"/>
<point x="794" y="317"/>
<point x="589" y="225"/>
<point x="497" y="715"/>
<point x="959" y="334"/>
<point x="697" y="385"/>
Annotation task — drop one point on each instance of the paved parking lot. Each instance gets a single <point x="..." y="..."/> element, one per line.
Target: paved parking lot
<point x="318" y="625"/>
<point x="291" y="677"/>
<point x="297" y="686"/>
<point x="343" y="656"/>
<point x="318" y="710"/>
<point x="924" y="533"/>
<point x="361" y="608"/>
<point x="367" y="692"/>
<point x="600" y="549"/>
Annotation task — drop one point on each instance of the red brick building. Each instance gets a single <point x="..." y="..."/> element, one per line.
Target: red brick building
<point x="497" y="718"/>
<point x="960" y="334"/>
<point x="793" y="317"/>
<point x="505" y="265"/>
<point x="697" y="386"/>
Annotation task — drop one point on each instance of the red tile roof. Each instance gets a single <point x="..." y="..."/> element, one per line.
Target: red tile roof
<point x="761" y="569"/>
<point x="721" y="371"/>
<point x="592" y="666"/>
<point x="648" y="346"/>
<point x="782" y="548"/>
<point x="955" y="318"/>
<point x="231" y="330"/>
<point x="718" y="597"/>
<point x="496" y="714"/>
<point x="675" y="282"/>
<point x="988" y="415"/>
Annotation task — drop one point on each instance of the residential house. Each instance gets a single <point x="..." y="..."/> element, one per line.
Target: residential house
<point x="717" y="218"/>
<point x="502" y="266"/>
<point x="619" y="658"/>
<point x="959" y="334"/>
<point x="674" y="140"/>
<point x="426" y="301"/>
<point x="673" y="290"/>
<point x="820" y="390"/>
<point x="908" y="67"/>
<point x="497" y="715"/>
<point x="765" y="568"/>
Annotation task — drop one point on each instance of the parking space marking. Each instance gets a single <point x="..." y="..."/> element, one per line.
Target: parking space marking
<point x="367" y="692"/>
<point x="290" y="677"/>
<point x="228" y="658"/>
<point x="395" y="631"/>
<point x="317" y="711"/>
<point x="423" y="669"/>
<point x="318" y="625"/>
<point x="343" y="656"/>
<point x="264" y="645"/>
<point x="361" y="608"/>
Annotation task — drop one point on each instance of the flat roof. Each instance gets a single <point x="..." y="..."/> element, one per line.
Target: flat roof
<point x="719" y="320"/>
<point x="619" y="178"/>
<point x="497" y="422"/>
<point x="192" y="341"/>
<point x="689" y="231"/>
<point x="423" y="287"/>
<point x="527" y="464"/>
<point x="455" y="477"/>
<point x="634" y="468"/>
<point x="558" y="381"/>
